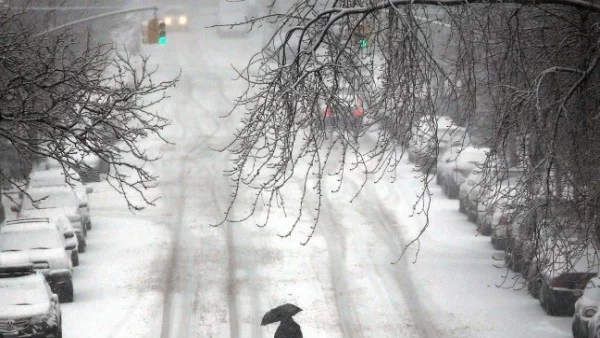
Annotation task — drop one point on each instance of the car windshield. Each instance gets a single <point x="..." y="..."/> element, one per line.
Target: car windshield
<point x="49" y="200"/>
<point x="19" y="291"/>
<point x="28" y="240"/>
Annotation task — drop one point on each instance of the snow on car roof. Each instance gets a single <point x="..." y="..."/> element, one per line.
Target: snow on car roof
<point x="26" y="225"/>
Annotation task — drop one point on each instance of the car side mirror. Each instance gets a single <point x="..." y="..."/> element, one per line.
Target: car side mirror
<point x="70" y="247"/>
<point x="15" y="208"/>
<point x="69" y="234"/>
<point x="54" y="298"/>
<point x="89" y="190"/>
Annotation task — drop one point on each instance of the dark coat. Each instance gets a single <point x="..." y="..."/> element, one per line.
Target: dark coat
<point x="288" y="328"/>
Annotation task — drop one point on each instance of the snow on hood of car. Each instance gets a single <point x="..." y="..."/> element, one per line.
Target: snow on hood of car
<point x="23" y="311"/>
<point x="54" y="257"/>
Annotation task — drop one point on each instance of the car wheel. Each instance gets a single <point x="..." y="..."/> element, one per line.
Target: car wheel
<point x="58" y="333"/>
<point x="547" y="302"/>
<point x="66" y="293"/>
<point x="438" y="180"/>
<point x="88" y="226"/>
<point x="82" y="246"/>
<point x="75" y="258"/>
<point x="452" y="192"/>
<point x="508" y="260"/>
<point x="461" y="207"/>
<point x="575" y="329"/>
<point x="471" y="217"/>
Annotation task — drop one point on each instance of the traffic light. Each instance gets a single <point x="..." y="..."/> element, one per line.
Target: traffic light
<point x="162" y="33"/>
<point x="363" y="43"/>
<point x="152" y="31"/>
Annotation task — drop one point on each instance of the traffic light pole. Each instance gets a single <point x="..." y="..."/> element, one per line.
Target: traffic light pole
<point x="97" y="17"/>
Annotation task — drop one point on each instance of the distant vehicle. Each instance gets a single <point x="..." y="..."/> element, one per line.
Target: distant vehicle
<point x="231" y="12"/>
<point x="61" y="198"/>
<point x="585" y="308"/>
<point x="29" y="307"/>
<point x="341" y="110"/>
<point x="44" y="246"/>
<point x="175" y="18"/>
<point x="56" y="178"/>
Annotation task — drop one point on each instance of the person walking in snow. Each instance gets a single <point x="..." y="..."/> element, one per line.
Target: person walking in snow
<point x="288" y="328"/>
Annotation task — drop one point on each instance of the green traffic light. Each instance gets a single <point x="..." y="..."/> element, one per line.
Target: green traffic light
<point x="162" y="40"/>
<point x="363" y="43"/>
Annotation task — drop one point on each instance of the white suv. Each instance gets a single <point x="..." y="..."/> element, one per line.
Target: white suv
<point x="43" y="245"/>
<point x="58" y="198"/>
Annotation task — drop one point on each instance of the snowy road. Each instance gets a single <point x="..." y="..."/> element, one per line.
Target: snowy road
<point x="168" y="273"/>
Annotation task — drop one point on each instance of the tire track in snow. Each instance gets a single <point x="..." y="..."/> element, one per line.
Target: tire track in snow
<point x="386" y="221"/>
<point x="336" y="247"/>
<point x="172" y="311"/>
<point x="336" y="243"/>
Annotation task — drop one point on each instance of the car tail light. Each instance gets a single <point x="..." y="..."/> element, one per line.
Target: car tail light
<point x="359" y="112"/>
<point x="327" y="111"/>
<point x="589" y="312"/>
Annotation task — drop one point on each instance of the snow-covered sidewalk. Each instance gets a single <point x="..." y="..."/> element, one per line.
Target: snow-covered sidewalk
<point x="118" y="285"/>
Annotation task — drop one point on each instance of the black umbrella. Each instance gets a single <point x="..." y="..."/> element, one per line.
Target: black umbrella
<point x="280" y="313"/>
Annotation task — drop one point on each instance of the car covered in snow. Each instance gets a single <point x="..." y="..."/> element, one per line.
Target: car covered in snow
<point x="585" y="308"/>
<point x="471" y="181"/>
<point x="564" y="267"/>
<point x="456" y="164"/>
<point x="58" y="178"/>
<point x="423" y="135"/>
<point x="43" y="245"/>
<point x="57" y="218"/>
<point x="28" y="308"/>
<point x="57" y="198"/>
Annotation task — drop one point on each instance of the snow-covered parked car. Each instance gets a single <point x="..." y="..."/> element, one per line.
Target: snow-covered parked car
<point x="57" y="198"/>
<point x="585" y="308"/>
<point x="471" y="181"/>
<point x="456" y="164"/>
<point x="29" y="307"/>
<point x="424" y="134"/>
<point x="43" y="245"/>
<point x="563" y="278"/>
<point x="57" y="178"/>
<point x="89" y="169"/>
<point x="60" y="220"/>
<point x="498" y="184"/>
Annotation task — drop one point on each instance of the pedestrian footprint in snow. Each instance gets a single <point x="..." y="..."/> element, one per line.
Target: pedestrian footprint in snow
<point x="288" y="328"/>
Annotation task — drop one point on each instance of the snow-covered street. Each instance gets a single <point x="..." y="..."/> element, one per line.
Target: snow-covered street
<point x="168" y="272"/>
